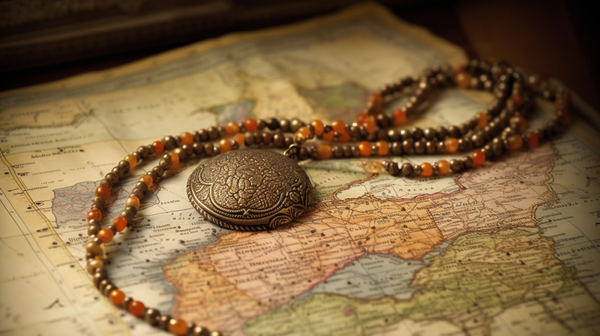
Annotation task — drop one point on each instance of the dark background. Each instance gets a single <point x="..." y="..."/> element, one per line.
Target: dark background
<point x="42" y="41"/>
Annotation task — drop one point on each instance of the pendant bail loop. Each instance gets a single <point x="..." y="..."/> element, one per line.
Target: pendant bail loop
<point x="292" y="152"/>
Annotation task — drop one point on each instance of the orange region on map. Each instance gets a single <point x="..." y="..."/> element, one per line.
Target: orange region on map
<point x="271" y="268"/>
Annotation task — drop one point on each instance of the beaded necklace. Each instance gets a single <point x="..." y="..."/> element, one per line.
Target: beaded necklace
<point x="492" y="133"/>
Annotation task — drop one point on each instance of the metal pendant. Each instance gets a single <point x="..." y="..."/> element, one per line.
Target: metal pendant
<point x="250" y="190"/>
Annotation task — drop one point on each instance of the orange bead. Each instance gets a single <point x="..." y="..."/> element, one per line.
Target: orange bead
<point x="147" y="179"/>
<point x="517" y="99"/>
<point x="318" y="126"/>
<point x="178" y="327"/>
<point x="365" y="148"/>
<point x="520" y="121"/>
<point x="328" y="136"/>
<point x="563" y="117"/>
<point x="136" y="308"/>
<point x="399" y="116"/>
<point x="344" y="137"/>
<point x="533" y="140"/>
<point x="94" y="214"/>
<point x="133" y="201"/>
<point x="375" y="104"/>
<point x="232" y="128"/>
<point x="482" y="120"/>
<point x="174" y="160"/>
<point x="376" y="98"/>
<point x="116" y="297"/>
<point x="478" y="158"/>
<point x="299" y="138"/>
<point x="250" y="125"/>
<point x="240" y="139"/>
<point x="120" y="223"/>
<point x="186" y="138"/>
<point x="369" y="125"/>
<point x="462" y="79"/>
<point x="444" y="167"/>
<point x="451" y="145"/>
<point x="362" y="117"/>
<point x="383" y="148"/>
<point x="132" y="161"/>
<point x="426" y="169"/>
<point x="338" y="126"/>
<point x="103" y="191"/>
<point x="515" y="142"/>
<point x="304" y="131"/>
<point x="324" y="152"/>
<point x="106" y="235"/>
<point x="225" y="145"/>
<point x="159" y="147"/>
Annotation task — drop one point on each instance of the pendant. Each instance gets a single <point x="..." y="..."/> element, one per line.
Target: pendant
<point x="250" y="190"/>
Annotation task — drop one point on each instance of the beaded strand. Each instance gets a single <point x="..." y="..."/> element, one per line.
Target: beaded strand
<point x="493" y="132"/>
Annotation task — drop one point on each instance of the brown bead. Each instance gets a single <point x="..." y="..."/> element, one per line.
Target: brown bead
<point x="456" y="165"/>
<point x="284" y="125"/>
<point x="396" y="148"/>
<point x="93" y="264"/>
<point x="249" y="138"/>
<point x="200" y="331"/>
<point x="405" y="134"/>
<point x="112" y="178"/>
<point x="430" y="147"/>
<point x="181" y="153"/>
<point x="257" y="137"/>
<point x="93" y="230"/>
<point x="419" y="147"/>
<point x="418" y="169"/>
<point x="355" y="151"/>
<point x="393" y="135"/>
<point x="273" y="124"/>
<point x="213" y="132"/>
<point x="143" y="151"/>
<point x="382" y="120"/>
<point x="93" y="248"/>
<point x="467" y="161"/>
<point x="203" y="135"/>
<point x="169" y="142"/>
<point x="337" y="151"/>
<point x="278" y="139"/>
<point x="454" y="131"/>
<point x="288" y="141"/>
<point x="430" y="133"/>
<point x="98" y="277"/>
<point x="208" y="148"/>
<point x="407" y="146"/>
<point x="407" y="169"/>
<point x="151" y="316"/>
<point x="295" y="125"/>
<point x="119" y="171"/>
<point x="347" y="150"/>
<point x="266" y="138"/>
<point x="440" y="147"/>
<point x="393" y="169"/>
<point x="303" y="154"/>
<point x="478" y="140"/>
<point x="465" y="145"/>
<point x="417" y="133"/>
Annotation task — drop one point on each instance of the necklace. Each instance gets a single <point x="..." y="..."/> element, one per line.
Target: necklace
<point x="254" y="189"/>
